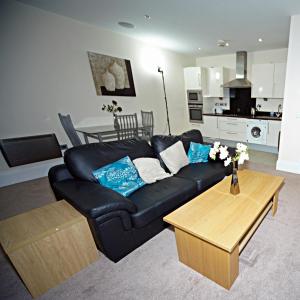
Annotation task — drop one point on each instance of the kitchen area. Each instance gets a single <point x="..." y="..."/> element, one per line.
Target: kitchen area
<point x="237" y="110"/>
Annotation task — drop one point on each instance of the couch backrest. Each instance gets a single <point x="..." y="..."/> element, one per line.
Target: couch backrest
<point x="83" y="160"/>
<point x="162" y="142"/>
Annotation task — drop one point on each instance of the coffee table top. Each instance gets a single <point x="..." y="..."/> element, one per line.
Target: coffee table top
<point x="221" y="218"/>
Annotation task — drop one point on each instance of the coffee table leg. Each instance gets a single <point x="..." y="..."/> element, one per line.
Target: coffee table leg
<point x="207" y="259"/>
<point x="275" y="203"/>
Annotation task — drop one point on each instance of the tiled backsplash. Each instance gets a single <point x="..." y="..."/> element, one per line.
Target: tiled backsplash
<point x="269" y="104"/>
<point x="209" y="104"/>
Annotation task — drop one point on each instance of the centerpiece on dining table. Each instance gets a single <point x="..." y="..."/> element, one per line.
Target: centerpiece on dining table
<point x="113" y="108"/>
<point x="239" y="157"/>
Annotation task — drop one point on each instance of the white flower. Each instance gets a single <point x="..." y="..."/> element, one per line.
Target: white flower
<point x="223" y="152"/>
<point x="212" y="153"/>
<point x="243" y="156"/>
<point x="227" y="161"/>
<point x="216" y="146"/>
<point x="241" y="147"/>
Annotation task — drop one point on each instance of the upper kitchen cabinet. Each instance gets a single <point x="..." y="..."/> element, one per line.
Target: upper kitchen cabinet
<point x="279" y="80"/>
<point x="194" y="78"/>
<point x="268" y="80"/>
<point x="216" y="76"/>
<point x="262" y="81"/>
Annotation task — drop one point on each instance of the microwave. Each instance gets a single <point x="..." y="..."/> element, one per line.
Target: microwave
<point x="194" y="96"/>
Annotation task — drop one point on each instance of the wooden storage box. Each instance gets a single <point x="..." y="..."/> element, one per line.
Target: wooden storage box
<point x="47" y="245"/>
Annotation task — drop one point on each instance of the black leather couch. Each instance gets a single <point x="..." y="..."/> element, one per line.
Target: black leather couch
<point x="120" y="225"/>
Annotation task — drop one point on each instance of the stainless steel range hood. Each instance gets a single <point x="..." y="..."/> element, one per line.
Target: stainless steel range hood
<point x="240" y="80"/>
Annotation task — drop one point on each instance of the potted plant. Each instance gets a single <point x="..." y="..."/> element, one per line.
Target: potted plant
<point x="241" y="154"/>
<point x="113" y="108"/>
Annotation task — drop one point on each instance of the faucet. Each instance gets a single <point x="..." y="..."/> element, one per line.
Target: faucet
<point x="279" y="110"/>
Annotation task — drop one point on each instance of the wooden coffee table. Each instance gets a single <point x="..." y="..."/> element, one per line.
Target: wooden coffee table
<point x="213" y="228"/>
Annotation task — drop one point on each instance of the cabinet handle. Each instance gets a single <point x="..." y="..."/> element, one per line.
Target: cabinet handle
<point x="230" y="132"/>
<point x="232" y="124"/>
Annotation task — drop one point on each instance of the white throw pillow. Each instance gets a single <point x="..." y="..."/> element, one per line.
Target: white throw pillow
<point x="149" y="169"/>
<point x="175" y="157"/>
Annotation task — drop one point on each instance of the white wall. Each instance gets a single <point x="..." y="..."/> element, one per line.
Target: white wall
<point x="289" y="152"/>
<point x="229" y="61"/>
<point x="45" y="70"/>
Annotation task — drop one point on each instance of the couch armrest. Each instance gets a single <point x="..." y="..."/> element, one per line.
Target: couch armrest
<point x="92" y="199"/>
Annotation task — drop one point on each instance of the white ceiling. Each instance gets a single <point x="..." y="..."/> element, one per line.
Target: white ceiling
<point x="183" y="26"/>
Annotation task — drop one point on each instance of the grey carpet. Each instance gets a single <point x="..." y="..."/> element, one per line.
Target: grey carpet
<point x="269" y="265"/>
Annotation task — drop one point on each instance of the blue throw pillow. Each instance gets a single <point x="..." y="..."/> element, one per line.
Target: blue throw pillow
<point x="198" y="153"/>
<point x="120" y="176"/>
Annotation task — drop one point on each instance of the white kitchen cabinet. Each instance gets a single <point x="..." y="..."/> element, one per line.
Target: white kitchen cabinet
<point x="279" y="80"/>
<point x="262" y="81"/>
<point x="216" y="76"/>
<point x="268" y="80"/>
<point x="233" y="129"/>
<point x="209" y="127"/>
<point x="194" y="78"/>
<point x="273" y="133"/>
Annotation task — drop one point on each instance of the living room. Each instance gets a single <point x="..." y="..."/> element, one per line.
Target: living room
<point x="46" y="71"/>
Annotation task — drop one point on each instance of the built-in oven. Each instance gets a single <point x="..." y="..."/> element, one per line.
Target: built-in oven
<point x="195" y="113"/>
<point x="194" y="96"/>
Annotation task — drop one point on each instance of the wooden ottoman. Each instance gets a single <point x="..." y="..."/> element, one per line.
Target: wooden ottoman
<point x="47" y="245"/>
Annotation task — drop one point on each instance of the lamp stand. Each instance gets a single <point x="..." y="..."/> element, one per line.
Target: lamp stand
<point x="166" y="101"/>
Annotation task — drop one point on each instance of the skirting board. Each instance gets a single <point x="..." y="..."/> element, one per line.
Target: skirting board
<point x="288" y="166"/>
<point x="27" y="172"/>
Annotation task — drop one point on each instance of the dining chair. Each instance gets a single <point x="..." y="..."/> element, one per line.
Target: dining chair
<point x="126" y="126"/>
<point x="148" y="124"/>
<point x="69" y="128"/>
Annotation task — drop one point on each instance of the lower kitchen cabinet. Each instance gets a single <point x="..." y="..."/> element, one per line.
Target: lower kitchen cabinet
<point x="235" y="129"/>
<point x="209" y="127"/>
<point x="273" y="133"/>
<point x="232" y="129"/>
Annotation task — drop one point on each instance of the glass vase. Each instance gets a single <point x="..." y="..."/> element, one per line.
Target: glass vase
<point x="235" y="188"/>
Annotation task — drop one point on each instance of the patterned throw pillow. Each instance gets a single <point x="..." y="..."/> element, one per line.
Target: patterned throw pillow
<point x="198" y="153"/>
<point x="120" y="176"/>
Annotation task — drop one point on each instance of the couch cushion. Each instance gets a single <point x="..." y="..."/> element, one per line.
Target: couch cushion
<point x="150" y="169"/>
<point x="160" y="198"/>
<point x="174" y="157"/>
<point x="205" y="174"/>
<point x="120" y="176"/>
<point x="83" y="160"/>
<point x="198" y="153"/>
<point x="162" y="142"/>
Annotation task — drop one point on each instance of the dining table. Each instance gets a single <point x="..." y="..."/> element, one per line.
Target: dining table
<point x="101" y="132"/>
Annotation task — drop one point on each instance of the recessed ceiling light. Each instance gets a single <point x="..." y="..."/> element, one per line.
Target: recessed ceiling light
<point x="126" y="25"/>
<point x="147" y="17"/>
<point x="199" y="48"/>
<point x="222" y="43"/>
<point x="260" y="40"/>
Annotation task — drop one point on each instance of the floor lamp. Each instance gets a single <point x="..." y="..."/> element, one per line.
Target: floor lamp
<point x="166" y="101"/>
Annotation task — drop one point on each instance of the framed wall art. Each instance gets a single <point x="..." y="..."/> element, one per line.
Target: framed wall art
<point x="112" y="75"/>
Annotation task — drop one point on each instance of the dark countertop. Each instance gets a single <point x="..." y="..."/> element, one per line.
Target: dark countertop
<point x="245" y="117"/>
